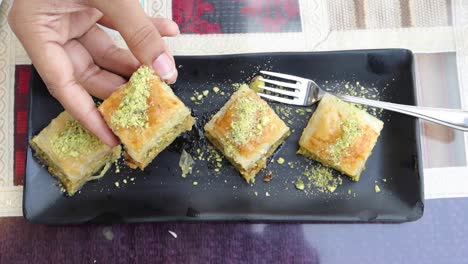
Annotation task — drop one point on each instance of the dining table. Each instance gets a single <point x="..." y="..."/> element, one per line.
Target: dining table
<point x="436" y="31"/>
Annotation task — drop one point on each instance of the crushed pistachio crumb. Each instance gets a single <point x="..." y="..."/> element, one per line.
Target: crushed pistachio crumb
<point x="195" y="183"/>
<point x="132" y="110"/>
<point x="256" y="193"/>
<point x="358" y="90"/>
<point x="284" y="111"/>
<point x="200" y="96"/>
<point x="267" y="194"/>
<point x="351" y="130"/>
<point x="249" y="121"/>
<point x="300" y="111"/>
<point x="322" y="178"/>
<point x="377" y="188"/>
<point x="331" y="188"/>
<point x="125" y="181"/>
<point x="299" y="184"/>
<point x="237" y="85"/>
<point x="132" y="179"/>
<point x="216" y="89"/>
<point x="280" y="160"/>
<point x="75" y="140"/>
<point x="116" y="184"/>
<point x="256" y="83"/>
<point x="206" y="92"/>
<point x="349" y="191"/>
<point x="193" y="98"/>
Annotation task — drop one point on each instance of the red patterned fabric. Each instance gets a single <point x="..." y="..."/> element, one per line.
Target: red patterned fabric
<point x="188" y="15"/>
<point x="21" y="120"/>
<point x="236" y="16"/>
<point x="271" y="14"/>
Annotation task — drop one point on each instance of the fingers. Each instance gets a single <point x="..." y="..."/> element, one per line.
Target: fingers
<point x="107" y="55"/>
<point x="96" y="81"/>
<point x="81" y="22"/>
<point x="110" y="57"/>
<point x="141" y="36"/>
<point x="166" y="27"/>
<point x="41" y="42"/>
<point x="81" y="106"/>
<point x="56" y="70"/>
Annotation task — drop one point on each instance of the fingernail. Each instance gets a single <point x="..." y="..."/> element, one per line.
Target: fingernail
<point x="164" y="66"/>
<point x="173" y="79"/>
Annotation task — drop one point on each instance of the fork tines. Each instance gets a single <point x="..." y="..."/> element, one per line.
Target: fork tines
<point x="288" y="96"/>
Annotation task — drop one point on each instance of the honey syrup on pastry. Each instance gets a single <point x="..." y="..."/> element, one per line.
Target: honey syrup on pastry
<point x="75" y="140"/>
<point x="132" y="111"/>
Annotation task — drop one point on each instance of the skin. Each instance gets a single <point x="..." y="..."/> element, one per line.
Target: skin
<point x="77" y="59"/>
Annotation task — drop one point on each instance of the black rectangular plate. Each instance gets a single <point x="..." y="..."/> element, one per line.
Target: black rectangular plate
<point x="159" y="193"/>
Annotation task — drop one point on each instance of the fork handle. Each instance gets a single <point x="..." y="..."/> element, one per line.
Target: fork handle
<point x="453" y="118"/>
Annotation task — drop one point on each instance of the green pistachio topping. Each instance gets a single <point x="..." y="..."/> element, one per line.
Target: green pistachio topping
<point x="377" y="188"/>
<point x="322" y="178"/>
<point x="351" y="131"/>
<point x="256" y="83"/>
<point x="299" y="184"/>
<point x="74" y="140"/>
<point x="132" y="111"/>
<point x="249" y="120"/>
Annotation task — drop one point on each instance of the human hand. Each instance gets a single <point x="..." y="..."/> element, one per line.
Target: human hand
<point x="76" y="58"/>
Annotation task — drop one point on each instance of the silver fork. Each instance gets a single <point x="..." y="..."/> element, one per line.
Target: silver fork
<point x="306" y="92"/>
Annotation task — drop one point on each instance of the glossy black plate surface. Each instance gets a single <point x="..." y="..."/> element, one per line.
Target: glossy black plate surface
<point x="160" y="193"/>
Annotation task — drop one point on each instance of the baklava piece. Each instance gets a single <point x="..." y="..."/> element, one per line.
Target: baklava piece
<point x="340" y="136"/>
<point x="71" y="153"/>
<point x="146" y="115"/>
<point x="247" y="131"/>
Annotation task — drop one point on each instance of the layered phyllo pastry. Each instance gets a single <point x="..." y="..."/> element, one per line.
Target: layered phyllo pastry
<point x="146" y="115"/>
<point x="247" y="131"/>
<point x="71" y="153"/>
<point x="340" y="136"/>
